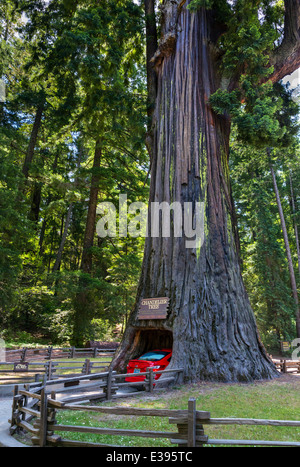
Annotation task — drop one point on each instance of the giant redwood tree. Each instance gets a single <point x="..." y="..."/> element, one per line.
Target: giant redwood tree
<point x="206" y="47"/>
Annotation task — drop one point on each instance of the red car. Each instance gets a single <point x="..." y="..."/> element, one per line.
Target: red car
<point x="155" y="359"/>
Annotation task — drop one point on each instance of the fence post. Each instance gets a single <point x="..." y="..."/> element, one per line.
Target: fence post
<point x="50" y="370"/>
<point x="284" y="366"/>
<point x="23" y="356"/>
<point x="49" y="352"/>
<point x="151" y="380"/>
<point x="36" y="377"/>
<point x="43" y="419"/>
<point x="86" y="368"/>
<point x="109" y="384"/>
<point x="192" y="423"/>
<point x="13" y="422"/>
<point x="72" y="352"/>
<point x="47" y="374"/>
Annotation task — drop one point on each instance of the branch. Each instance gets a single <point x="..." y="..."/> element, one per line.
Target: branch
<point x="286" y="58"/>
<point x="170" y="11"/>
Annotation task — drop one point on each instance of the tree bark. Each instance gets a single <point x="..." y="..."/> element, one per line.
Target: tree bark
<point x="86" y="261"/>
<point x="151" y="48"/>
<point x="34" y="213"/>
<point x="33" y="140"/>
<point x="63" y="239"/>
<point x="210" y="323"/>
<point x="286" y="58"/>
<point x="288" y="252"/>
<point x="57" y="264"/>
<point x="83" y="304"/>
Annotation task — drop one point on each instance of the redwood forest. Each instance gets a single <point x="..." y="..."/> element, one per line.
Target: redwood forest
<point x="115" y="105"/>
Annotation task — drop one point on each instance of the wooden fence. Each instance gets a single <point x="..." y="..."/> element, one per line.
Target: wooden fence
<point x="27" y="354"/>
<point x="35" y="364"/>
<point x="285" y="365"/>
<point x="104" y="385"/>
<point x="36" y="412"/>
<point x="13" y="372"/>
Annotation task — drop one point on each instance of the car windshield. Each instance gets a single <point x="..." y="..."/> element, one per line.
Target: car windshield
<point x="153" y="356"/>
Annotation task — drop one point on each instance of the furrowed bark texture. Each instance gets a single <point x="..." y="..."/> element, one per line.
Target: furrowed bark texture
<point x="210" y="322"/>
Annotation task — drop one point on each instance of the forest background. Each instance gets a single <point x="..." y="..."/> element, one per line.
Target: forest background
<point x="73" y="126"/>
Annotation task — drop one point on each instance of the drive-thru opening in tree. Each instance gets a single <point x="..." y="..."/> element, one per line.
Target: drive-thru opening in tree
<point x="145" y="340"/>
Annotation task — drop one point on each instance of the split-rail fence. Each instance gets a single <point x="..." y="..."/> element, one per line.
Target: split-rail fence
<point x="29" y="365"/>
<point x="36" y="412"/>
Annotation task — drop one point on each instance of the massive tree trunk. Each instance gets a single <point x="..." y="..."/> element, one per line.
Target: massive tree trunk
<point x="210" y="324"/>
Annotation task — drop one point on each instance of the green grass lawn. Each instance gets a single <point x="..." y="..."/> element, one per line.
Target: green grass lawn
<point x="276" y="400"/>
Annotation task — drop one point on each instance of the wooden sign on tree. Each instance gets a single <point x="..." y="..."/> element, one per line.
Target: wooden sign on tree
<point x="154" y="308"/>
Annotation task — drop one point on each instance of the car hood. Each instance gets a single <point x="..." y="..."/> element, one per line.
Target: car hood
<point x="142" y="363"/>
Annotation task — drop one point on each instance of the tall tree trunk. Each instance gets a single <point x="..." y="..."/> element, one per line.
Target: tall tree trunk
<point x="151" y="47"/>
<point x="288" y="252"/>
<point x="86" y="261"/>
<point x="83" y="303"/>
<point x="33" y="140"/>
<point x="210" y="323"/>
<point x="293" y="206"/>
<point x="34" y="213"/>
<point x="37" y="187"/>
<point x="63" y="239"/>
<point x="48" y="201"/>
<point x="67" y="223"/>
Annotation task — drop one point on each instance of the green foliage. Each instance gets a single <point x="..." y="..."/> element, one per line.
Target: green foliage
<point x="263" y="255"/>
<point x="252" y="30"/>
<point x="221" y="9"/>
<point x="83" y="61"/>
<point x="254" y="105"/>
<point x="259" y="122"/>
<point x="195" y="5"/>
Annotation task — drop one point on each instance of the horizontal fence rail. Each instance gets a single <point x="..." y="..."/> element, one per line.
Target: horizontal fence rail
<point x="251" y="422"/>
<point x="37" y="406"/>
<point x="27" y="354"/>
<point x="13" y="372"/>
<point x="27" y="364"/>
<point x="99" y="386"/>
